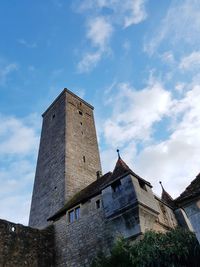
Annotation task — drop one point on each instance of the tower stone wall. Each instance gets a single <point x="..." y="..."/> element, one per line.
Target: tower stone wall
<point x="68" y="156"/>
<point x="82" y="155"/>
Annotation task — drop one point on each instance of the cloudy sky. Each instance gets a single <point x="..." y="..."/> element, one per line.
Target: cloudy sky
<point x="136" y="61"/>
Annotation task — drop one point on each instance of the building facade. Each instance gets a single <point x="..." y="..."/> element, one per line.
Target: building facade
<point x="80" y="210"/>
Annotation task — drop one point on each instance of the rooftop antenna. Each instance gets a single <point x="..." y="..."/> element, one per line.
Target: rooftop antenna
<point x="161" y="185"/>
<point x="118" y="154"/>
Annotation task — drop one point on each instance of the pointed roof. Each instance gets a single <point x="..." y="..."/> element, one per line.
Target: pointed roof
<point x="191" y="192"/>
<point x="166" y="197"/>
<point x="121" y="169"/>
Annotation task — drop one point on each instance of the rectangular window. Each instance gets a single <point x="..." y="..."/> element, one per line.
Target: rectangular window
<point x="98" y="204"/>
<point x="77" y="213"/>
<point x="74" y="215"/>
<point x="71" y="216"/>
<point x="117" y="186"/>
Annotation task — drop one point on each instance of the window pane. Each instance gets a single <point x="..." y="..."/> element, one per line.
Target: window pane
<point x="71" y="216"/>
<point x="77" y="213"/>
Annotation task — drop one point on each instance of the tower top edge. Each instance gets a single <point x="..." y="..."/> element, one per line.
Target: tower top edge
<point x="67" y="91"/>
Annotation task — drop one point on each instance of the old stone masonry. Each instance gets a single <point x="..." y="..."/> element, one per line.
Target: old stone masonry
<point x="76" y="211"/>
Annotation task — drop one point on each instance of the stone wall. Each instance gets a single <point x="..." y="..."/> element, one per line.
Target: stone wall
<point x="193" y="213"/>
<point x="68" y="156"/>
<point x="77" y="243"/>
<point x="82" y="154"/>
<point x="22" y="246"/>
<point x="49" y="185"/>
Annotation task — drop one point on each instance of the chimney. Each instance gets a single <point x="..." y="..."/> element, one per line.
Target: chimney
<point x="99" y="174"/>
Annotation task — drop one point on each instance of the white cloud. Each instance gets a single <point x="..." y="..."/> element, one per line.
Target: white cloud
<point x="100" y="27"/>
<point x="99" y="31"/>
<point x="135" y="12"/>
<point x="26" y="43"/>
<point x="6" y="70"/>
<point x="179" y="87"/>
<point x="134" y="113"/>
<point x="174" y="158"/>
<point x="18" y="145"/>
<point x="16" y="137"/>
<point x="180" y="26"/>
<point x="126" y="13"/>
<point x="15" y="208"/>
<point x="89" y="61"/>
<point x="191" y="61"/>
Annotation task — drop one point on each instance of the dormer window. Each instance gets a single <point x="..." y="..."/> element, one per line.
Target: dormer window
<point x="117" y="186"/>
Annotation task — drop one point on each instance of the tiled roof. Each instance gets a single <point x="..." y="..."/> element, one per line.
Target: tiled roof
<point x="121" y="168"/>
<point x="95" y="188"/>
<point x="166" y="197"/>
<point x="83" y="195"/>
<point x="191" y="192"/>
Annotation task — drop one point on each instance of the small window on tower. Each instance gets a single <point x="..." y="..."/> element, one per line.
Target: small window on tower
<point x="80" y="112"/>
<point x="83" y="158"/>
<point x="53" y="116"/>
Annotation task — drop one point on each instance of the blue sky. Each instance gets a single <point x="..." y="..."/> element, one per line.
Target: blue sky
<point x="136" y="61"/>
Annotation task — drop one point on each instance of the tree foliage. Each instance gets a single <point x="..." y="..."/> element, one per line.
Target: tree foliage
<point x="176" y="248"/>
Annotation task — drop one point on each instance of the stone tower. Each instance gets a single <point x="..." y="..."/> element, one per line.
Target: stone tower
<point x="68" y="158"/>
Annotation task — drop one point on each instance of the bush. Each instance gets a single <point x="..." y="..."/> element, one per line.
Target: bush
<point x="176" y="248"/>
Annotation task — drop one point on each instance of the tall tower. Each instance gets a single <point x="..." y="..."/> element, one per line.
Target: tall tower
<point x="68" y="156"/>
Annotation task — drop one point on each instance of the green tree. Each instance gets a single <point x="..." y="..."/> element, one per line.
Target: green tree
<point x="176" y="248"/>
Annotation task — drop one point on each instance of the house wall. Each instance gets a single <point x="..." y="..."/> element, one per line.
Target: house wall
<point x="144" y="197"/>
<point x="182" y="219"/>
<point x="193" y="213"/>
<point x="121" y="209"/>
<point x="77" y="243"/>
<point x="115" y="201"/>
<point x="120" y="215"/>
